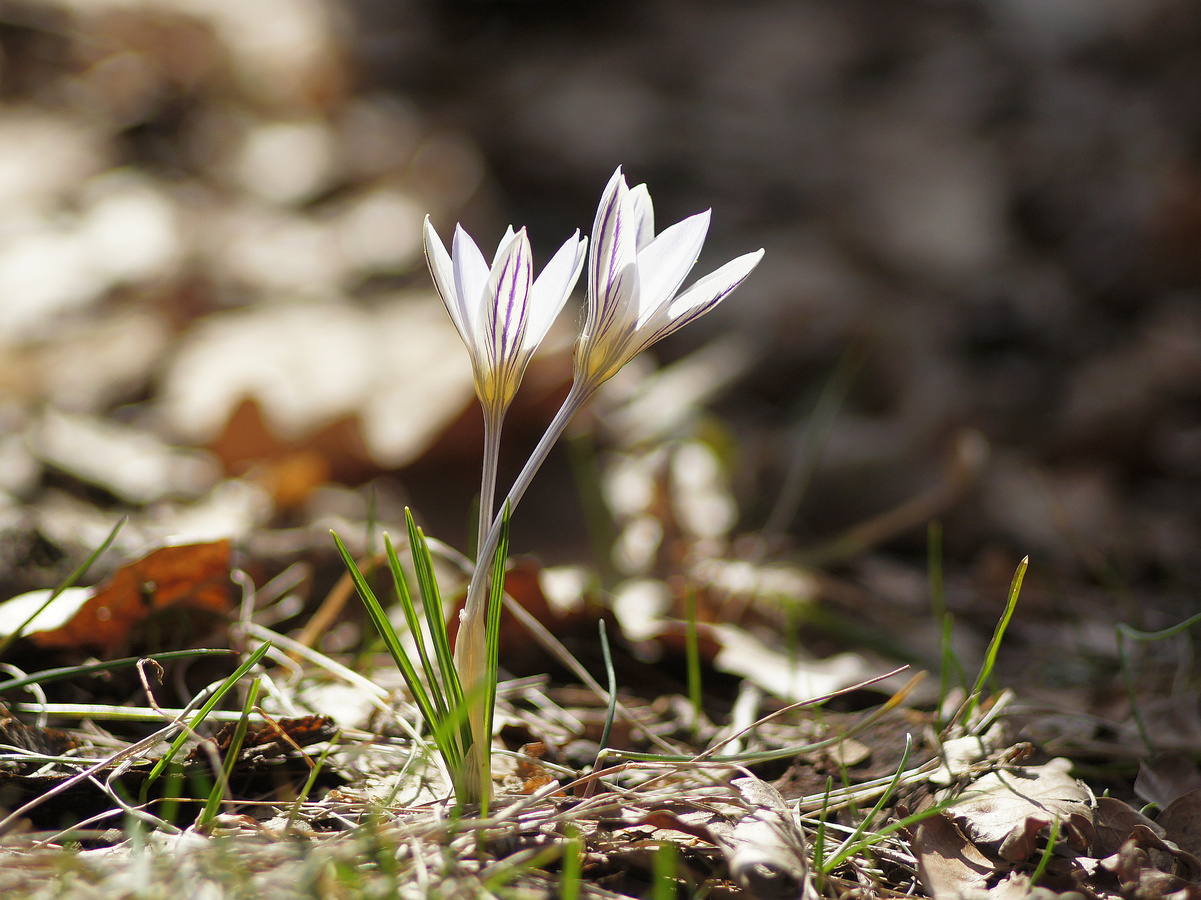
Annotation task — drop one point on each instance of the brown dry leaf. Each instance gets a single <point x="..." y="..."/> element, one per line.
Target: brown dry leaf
<point x="1150" y="867"/>
<point x="1165" y="777"/>
<point x="1181" y="822"/>
<point x="191" y="578"/>
<point x="1114" y="820"/>
<point x="1009" y="807"/>
<point x="948" y="864"/>
<point x="43" y="741"/>
<point x="284" y="734"/>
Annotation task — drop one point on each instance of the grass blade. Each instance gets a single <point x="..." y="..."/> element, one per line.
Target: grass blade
<point x="47" y="676"/>
<point x="201" y="714"/>
<point x="63" y="585"/>
<point x="994" y="645"/>
<point x="431" y="601"/>
<point x="492" y="629"/>
<point x="221" y="789"/>
<point x="376" y="612"/>
<point x="405" y="598"/>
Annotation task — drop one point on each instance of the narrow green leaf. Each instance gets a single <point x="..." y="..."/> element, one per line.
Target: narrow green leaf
<point x="46" y="676"/>
<point x="62" y="586"/>
<point x="405" y="598"/>
<point x="496" y="599"/>
<point x="209" y="705"/>
<point x="435" y="617"/>
<point x="856" y="840"/>
<point x="994" y="645"/>
<point x="380" y="619"/>
<point x="221" y="787"/>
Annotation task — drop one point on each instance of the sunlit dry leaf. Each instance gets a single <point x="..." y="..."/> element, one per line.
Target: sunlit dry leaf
<point x="958" y="755"/>
<point x="309" y="365"/>
<point x="132" y="464"/>
<point x="795" y="676"/>
<point x="190" y="578"/>
<point x="1009" y="807"/>
<point x="764" y="847"/>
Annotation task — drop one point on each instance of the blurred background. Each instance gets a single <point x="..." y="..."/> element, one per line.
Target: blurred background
<point x="979" y="302"/>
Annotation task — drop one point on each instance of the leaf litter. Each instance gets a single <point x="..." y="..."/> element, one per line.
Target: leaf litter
<point x="268" y="182"/>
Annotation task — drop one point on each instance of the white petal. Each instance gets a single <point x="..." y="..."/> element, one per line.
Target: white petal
<point x="666" y="262"/>
<point x="612" y="262"/>
<point x="506" y="299"/>
<point x="553" y="286"/>
<point x="442" y="271"/>
<point x="504" y="241"/>
<point x="699" y="298"/>
<point x="471" y="279"/>
<point x="644" y="213"/>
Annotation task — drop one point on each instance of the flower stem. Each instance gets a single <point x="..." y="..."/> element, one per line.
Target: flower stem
<point x="472" y="608"/>
<point x="471" y="643"/>
<point x="492" y="429"/>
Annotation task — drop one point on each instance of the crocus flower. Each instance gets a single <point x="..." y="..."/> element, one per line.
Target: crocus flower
<point x="501" y="311"/>
<point x="634" y="280"/>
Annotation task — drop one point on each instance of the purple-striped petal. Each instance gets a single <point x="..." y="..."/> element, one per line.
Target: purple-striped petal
<point x="667" y="260"/>
<point x="553" y="286"/>
<point x="699" y="298"/>
<point x="504" y="302"/>
<point x="644" y="215"/>
<point x="612" y="262"/>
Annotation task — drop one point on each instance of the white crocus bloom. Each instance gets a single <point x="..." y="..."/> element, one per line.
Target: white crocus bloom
<point x="634" y="280"/>
<point x="502" y="312"/>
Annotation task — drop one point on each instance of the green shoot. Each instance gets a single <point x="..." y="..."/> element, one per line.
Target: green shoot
<point x="63" y="585"/>
<point x="994" y="645"/>
<point x="938" y="607"/>
<point x="693" y="650"/>
<point x="433" y="711"/>
<point x="314" y="772"/>
<point x="47" y="676"/>
<point x="663" y="872"/>
<point x="856" y="840"/>
<point x="573" y="866"/>
<point x="611" y="684"/>
<point x="1126" y="633"/>
<point x="221" y="785"/>
<point x="1048" y="852"/>
<point x="492" y="635"/>
<point x="458" y="712"/>
<point x="201" y="715"/>
<point x="819" y="837"/>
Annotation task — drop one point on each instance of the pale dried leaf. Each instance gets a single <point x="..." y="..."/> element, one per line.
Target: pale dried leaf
<point x="1009" y="807"/>
<point x="765" y="848"/>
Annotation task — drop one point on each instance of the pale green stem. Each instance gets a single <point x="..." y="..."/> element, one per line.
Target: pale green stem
<point x="576" y="398"/>
<point x="470" y="653"/>
<point x="473" y="607"/>
<point x="493" y="421"/>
